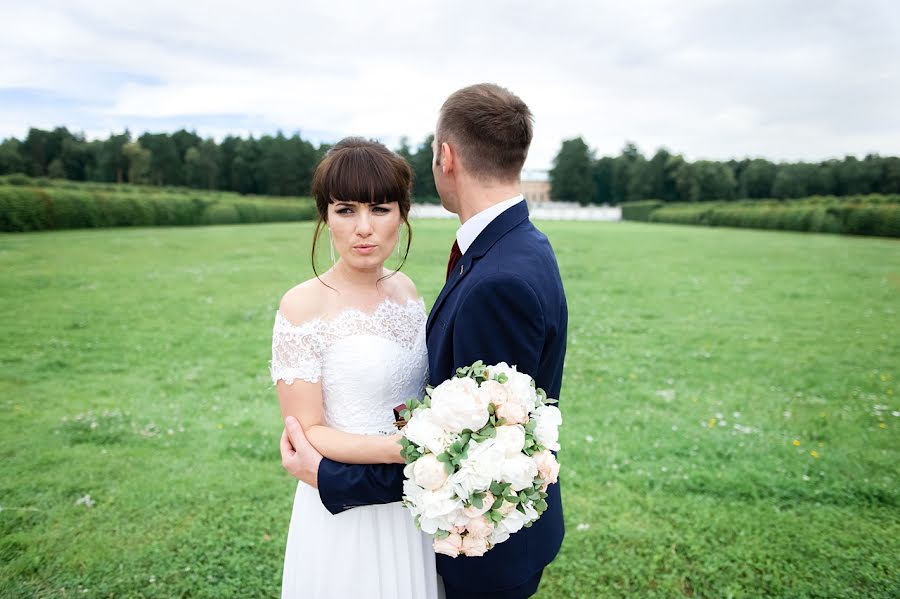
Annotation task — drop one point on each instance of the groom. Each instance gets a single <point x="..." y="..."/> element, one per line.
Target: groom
<point x="503" y="301"/>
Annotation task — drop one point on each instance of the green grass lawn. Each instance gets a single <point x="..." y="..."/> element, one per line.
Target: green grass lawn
<point x="730" y="403"/>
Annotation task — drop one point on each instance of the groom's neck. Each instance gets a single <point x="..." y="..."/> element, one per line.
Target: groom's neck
<point x="478" y="196"/>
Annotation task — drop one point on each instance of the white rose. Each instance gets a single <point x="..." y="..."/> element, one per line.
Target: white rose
<point x="498" y="536"/>
<point x="439" y="509"/>
<point x="511" y="438"/>
<point x="424" y="432"/>
<point x="479" y="469"/>
<point x="428" y="472"/>
<point x="412" y="493"/>
<point x="457" y="405"/>
<point x="501" y="368"/>
<point x="513" y="522"/>
<point x="521" y="387"/>
<point x="520" y="471"/>
<point x="546" y="431"/>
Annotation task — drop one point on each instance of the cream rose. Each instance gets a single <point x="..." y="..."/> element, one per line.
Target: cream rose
<point x="456" y="405"/>
<point x="428" y="472"/>
<point x="450" y="545"/>
<point x="511" y="438"/>
<point x="520" y="471"/>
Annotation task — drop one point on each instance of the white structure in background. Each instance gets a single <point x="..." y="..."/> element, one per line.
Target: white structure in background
<point x="536" y="189"/>
<point x="543" y="211"/>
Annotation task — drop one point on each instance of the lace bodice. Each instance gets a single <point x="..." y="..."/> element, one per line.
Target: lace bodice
<point x="367" y="362"/>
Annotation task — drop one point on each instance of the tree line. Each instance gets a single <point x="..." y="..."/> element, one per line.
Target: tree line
<point x="578" y="176"/>
<point x="267" y="165"/>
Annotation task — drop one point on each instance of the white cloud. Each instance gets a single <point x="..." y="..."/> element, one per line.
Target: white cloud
<point x="710" y="79"/>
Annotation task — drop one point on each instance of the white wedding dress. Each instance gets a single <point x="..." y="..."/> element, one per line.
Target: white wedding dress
<point x="368" y="363"/>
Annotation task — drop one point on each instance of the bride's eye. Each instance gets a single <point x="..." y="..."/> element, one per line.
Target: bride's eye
<point x="381" y="209"/>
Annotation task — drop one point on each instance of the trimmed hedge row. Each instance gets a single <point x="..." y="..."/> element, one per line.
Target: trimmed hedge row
<point x="852" y="219"/>
<point x="41" y="208"/>
<point x="640" y="210"/>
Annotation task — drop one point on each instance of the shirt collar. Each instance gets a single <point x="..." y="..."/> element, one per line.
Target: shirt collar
<point x="472" y="228"/>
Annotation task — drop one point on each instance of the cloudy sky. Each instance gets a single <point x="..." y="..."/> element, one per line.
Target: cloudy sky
<point x="710" y="79"/>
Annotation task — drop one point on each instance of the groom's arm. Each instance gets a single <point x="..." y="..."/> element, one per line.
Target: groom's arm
<point x="500" y="320"/>
<point x="345" y="486"/>
<point x="341" y="486"/>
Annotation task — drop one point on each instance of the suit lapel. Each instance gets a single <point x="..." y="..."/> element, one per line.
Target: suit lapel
<point x="500" y="226"/>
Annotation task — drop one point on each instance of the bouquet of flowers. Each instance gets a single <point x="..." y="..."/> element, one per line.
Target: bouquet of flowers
<point x="478" y="451"/>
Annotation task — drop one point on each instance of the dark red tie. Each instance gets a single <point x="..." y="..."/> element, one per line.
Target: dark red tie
<point x="455" y="255"/>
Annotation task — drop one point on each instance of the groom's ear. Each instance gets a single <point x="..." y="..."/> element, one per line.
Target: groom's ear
<point x="448" y="158"/>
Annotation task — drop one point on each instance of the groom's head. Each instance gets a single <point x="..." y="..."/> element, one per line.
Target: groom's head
<point x="488" y="129"/>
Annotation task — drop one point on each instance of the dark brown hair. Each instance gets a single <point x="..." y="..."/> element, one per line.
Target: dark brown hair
<point x="364" y="171"/>
<point x="491" y="129"/>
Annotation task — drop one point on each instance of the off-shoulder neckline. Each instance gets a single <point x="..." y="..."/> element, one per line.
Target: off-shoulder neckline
<point x="354" y="311"/>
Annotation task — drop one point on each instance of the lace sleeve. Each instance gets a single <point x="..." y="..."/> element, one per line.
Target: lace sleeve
<point x="296" y="351"/>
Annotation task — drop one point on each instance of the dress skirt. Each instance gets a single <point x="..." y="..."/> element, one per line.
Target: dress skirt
<point x="370" y="551"/>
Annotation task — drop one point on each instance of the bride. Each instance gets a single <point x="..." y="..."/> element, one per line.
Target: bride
<point x="348" y="346"/>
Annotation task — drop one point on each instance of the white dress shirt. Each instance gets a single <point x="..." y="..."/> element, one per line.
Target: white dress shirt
<point x="472" y="228"/>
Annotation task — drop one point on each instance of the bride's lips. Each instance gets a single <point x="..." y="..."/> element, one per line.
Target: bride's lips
<point x="364" y="248"/>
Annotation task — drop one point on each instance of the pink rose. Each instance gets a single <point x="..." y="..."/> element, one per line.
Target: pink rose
<point x="495" y="393"/>
<point x="486" y="503"/>
<point x="548" y="467"/>
<point x="512" y="412"/>
<point x="474" y="546"/>
<point x="479" y="527"/>
<point x="449" y="546"/>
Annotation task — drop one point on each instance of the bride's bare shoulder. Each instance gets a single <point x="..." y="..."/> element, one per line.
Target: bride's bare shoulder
<point x="304" y="302"/>
<point x="403" y="286"/>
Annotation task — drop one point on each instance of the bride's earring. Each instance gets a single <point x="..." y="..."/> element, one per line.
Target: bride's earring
<point x="399" y="232"/>
<point x="331" y="243"/>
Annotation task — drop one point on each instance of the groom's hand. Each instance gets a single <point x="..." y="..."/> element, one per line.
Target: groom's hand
<point x="298" y="457"/>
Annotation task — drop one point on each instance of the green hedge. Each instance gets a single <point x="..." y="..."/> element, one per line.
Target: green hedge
<point x="24" y="208"/>
<point x="881" y="219"/>
<point x="640" y="210"/>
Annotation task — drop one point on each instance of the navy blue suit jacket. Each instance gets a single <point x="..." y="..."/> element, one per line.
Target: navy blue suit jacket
<point x="504" y="302"/>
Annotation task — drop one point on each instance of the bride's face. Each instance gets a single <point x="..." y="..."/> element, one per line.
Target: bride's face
<point x="364" y="234"/>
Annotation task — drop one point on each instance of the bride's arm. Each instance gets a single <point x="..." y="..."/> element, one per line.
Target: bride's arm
<point x="303" y="401"/>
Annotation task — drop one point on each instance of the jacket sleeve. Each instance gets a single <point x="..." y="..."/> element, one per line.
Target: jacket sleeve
<point x="500" y="320"/>
<point x="345" y="486"/>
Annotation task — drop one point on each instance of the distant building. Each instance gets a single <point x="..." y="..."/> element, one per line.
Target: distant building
<point x="535" y="186"/>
